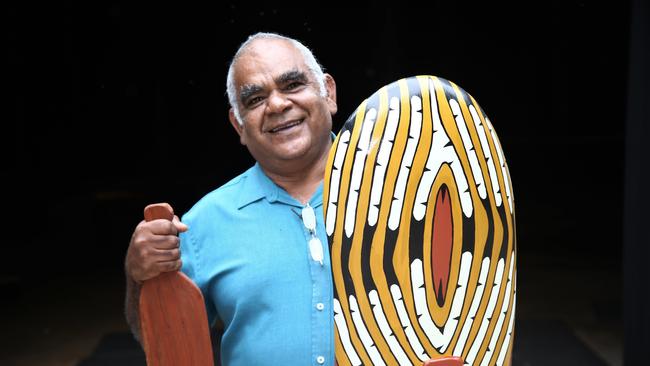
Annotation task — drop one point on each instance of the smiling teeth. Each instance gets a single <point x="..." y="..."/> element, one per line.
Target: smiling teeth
<point x="274" y="130"/>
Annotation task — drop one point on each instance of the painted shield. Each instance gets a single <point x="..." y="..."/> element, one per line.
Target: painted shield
<point x="420" y="220"/>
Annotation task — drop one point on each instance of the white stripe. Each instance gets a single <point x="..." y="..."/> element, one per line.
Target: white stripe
<point x="406" y="323"/>
<point x="488" y="314"/>
<point x="335" y="181"/>
<point x="407" y="161"/>
<point x="469" y="148"/>
<point x="440" y="340"/>
<point x="420" y="299"/>
<point x="344" y="335"/>
<point x="440" y="154"/>
<point x="502" y="315"/>
<point x="502" y="163"/>
<point x="386" y="331"/>
<point x="487" y="154"/>
<point x="357" y="170"/>
<point x="367" y="341"/>
<point x="460" y="344"/>
<point x="506" y="341"/>
<point x="382" y="160"/>
<point x="459" y="298"/>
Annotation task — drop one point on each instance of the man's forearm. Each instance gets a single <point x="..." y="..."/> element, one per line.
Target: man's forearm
<point x="131" y="306"/>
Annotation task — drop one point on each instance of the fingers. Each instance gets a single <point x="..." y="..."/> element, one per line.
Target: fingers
<point x="154" y="248"/>
<point x="165" y="266"/>
<point x="162" y="241"/>
<point x="161" y="227"/>
<point x="145" y="261"/>
<point x="170" y="266"/>
<point x="179" y="225"/>
<point x="165" y="255"/>
<point x="155" y="269"/>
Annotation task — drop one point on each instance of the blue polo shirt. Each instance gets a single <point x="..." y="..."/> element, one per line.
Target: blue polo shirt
<point x="247" y="249"/>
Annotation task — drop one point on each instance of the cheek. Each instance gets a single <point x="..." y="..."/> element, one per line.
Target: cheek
<point x="322" y="112"/>
<point x="250" y="129"/>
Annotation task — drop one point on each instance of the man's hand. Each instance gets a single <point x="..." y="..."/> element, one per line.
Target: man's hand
<point x="154" y="249"/>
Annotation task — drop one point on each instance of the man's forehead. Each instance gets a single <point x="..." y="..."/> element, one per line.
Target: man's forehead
<point x="256" y="67"/>
<point x="266" y="43"/>
<point x="272" y="51"/>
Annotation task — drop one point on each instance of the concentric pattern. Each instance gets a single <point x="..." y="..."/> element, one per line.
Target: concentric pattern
<point x="419" y="214"/>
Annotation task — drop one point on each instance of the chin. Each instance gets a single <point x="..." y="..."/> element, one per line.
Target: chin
<point x="292" y="149"/>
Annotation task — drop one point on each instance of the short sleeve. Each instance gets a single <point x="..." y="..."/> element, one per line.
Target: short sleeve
<point x="191" y="268"/>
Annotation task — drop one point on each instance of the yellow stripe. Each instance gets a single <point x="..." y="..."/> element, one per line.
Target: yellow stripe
<point x="358" y="240"/>
<point x="498" y="226"/>
<point x="328" y="175"/>
<point x="401" y="262"/>
<point x="341" y="357"/>
<point x="506" y="322"/>
<point x="339" y="232"/>
<point x="445" y="175"/>
<point x="392" y="170"/>
<point x="479" y="214"/>
<point x="379" y="277"/>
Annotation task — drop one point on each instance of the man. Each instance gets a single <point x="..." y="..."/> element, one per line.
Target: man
<point x="252" y="245"/>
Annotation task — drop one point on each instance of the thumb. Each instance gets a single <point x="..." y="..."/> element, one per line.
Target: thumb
<point x="179" y="225"/>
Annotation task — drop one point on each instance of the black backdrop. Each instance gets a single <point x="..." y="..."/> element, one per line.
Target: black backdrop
<point x="113" y="105"/>
<point x="637" y="198"/>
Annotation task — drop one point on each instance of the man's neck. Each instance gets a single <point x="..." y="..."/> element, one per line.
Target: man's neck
<point x="302" y="183"/>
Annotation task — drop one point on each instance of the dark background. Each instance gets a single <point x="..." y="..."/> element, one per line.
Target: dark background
<point x="113" y="105"/>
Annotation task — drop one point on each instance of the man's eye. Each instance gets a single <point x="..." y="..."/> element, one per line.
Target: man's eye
<point x="293" y="85"/>
<point x="252" y="101"/>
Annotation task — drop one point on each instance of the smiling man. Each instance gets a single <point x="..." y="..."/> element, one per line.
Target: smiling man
<point x="256" y="246"/>
<point x="281" y="107"/>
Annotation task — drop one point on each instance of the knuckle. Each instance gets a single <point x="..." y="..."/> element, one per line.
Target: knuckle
<point x="170" y="227"/>
<point x="140" y="241"/>
<point x="140" y="225"/>
<point x="143" y="252"/>
<point x="171" y="266"/>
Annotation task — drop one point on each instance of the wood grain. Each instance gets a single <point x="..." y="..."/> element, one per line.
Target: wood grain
<point x="173" y="319"/>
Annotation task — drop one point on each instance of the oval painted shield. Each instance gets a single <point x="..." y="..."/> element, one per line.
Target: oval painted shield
<point x="419" y="213"/>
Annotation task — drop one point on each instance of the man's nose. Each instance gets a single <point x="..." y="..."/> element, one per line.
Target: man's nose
<point x="277" y="102"/>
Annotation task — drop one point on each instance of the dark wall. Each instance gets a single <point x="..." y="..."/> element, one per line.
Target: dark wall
<point x="637" y="198"/>
<point x="114" y="105"/>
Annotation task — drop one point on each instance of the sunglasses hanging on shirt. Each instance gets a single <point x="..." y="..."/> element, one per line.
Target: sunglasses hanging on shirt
<point x="315" y="245"/>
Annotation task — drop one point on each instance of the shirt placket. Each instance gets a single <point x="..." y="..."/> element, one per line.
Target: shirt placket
<point x="320" y="312"/>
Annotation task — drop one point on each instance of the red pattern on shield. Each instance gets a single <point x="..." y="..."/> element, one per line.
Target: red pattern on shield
<point x="441" y="243"/>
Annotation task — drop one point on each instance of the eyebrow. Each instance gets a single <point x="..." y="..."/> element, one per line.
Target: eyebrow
<point x="247" y="91"/>
<point x="250" y="89"/>
<point x="293" y="75"/>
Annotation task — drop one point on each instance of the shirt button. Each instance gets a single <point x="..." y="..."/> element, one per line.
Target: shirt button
<point x="320" y="359"/>
<point x="320" y="306"/>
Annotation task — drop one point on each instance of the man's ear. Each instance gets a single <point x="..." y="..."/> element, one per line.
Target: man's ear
<point x="330" y="88"/>
<point x="238" y="127"/>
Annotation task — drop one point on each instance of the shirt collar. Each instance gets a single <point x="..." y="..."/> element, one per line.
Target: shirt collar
<point x="258" y="185"/>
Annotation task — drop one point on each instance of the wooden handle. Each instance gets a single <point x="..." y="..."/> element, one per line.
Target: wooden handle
<point x="157" y="211"/>
<point x="445" y="361"/>
<point x="173" y="319"/>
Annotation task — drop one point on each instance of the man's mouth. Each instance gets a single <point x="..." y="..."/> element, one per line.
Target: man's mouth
<point x="285" y="126"/>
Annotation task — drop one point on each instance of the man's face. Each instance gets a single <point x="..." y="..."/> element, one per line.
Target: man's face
<point x="285" y="117"/>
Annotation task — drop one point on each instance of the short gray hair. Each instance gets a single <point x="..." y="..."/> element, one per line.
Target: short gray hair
<point x="313" y="65"/>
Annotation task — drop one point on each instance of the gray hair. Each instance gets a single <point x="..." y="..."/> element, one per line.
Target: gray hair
<point x="310" y="60"/>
